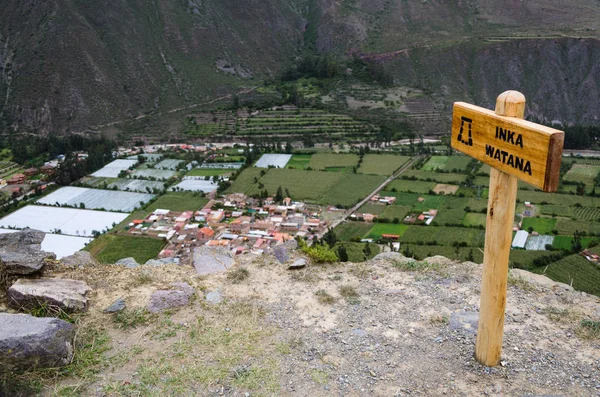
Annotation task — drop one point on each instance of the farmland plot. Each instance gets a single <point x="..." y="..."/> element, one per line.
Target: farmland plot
<point x="169" y="164"/>
<point x="150" y="157"/>
<point x="582" y="173"/>
<point x="538" y="243"/>
<point x="71" y="221"/>
<point x="196" y="184"/>
<point x="434" y="176"/>
<point x="96" y="198"/>
<point x="134" y="185"/>
<point x="444" y="236"/>
<point x="113" y="169"/>
<point x="381" y="164"/>
<point x="161" y="175"/>
<point x="274" y="160"/>
<point x="333" y="162"/>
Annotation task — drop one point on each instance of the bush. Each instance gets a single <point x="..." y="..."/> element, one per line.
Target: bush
<point x="319" y="253"/>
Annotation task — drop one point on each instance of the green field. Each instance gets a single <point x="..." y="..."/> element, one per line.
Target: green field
<point x="208" y="172"/>
<point x="386" y="228"/>
<point x="582" y="173"/>
<point x="474" y="219"/>
<point x="540" y="225"/>
<point x="109" y="248"/>
<point x="299" y="161"/>
<point x="565" y="242"/>
<point x="578" y="213"/>
<point x="447" y="163"/>
<point x="355" y="251"/>
<point x="434" y="176"/>
<point x="350" y="230"/>
<point x="437" y="235"/>
<point x="574" y="270"/>
<point x="404" y="185"/>
<point x="449" y="216"/>
<point x="381" y="164"/>
<point x="374" y="209"/>
<point x="566" y="200"/>
<point x="333" y="162"/>
<point x="320" y="187"/>
<point x="569" y="227"/>
<point x="395" y="211"/>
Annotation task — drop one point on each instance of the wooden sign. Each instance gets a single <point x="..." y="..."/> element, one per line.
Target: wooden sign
<point x="515" y="149"/>
<point x="529" y="151"/>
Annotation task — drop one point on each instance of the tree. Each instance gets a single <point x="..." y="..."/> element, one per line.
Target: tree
<point x="330" y="237"/>
<point x="367" y="249"/>
<point x="342" y="254"/>
<point x="279" y="195"/>
<point x="576" y="245"/>
<point x="287" y="193"/>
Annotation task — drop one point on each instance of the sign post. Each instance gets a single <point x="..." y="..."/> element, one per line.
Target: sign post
<point x="515" y="149"/>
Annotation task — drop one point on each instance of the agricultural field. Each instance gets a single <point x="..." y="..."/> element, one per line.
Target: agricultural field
<point x="566" y="242"/>
<point x="374" y="209"/>
<point x="128" y="185"/>
<point x="152" y="173"/>
<point x="333" y="162"/>
<point x="474" y="219"/>
<point x="96" y="199"/>
<point x="355" y="251"/>
<point x="150" y="158"/>
<point x="221" y="166"/>
<point x="70" y="221"/>
<point x="569" y="227"/>
<point x="576" y="271"/>
<point x="112" y="170"/>
<point x="350" y="230"/>
<point x="449" y="216"/>
<point x="445" y="189"/>
<point x="582" y="173"/>
<point x="540" y="225"/>
<point x="439" y="177"/>
<point x="109" y="248"/>
<point x="273" y="160"/>
<point x="178" y="202"/>
<point x="207" y="172"/>
<point x="566" y="200"/>
<point x="447" y="163"/>
<point x="381" y="164"/>
<point x="404" y="185"/>
<point x="169" y="164"/>
<point x="245" y="180"/>
<point x="538" y="243"/>
<point x="299" y="161"/>
<point x="320" y="187"/>
<point x="191" y="184"/>
<point x="379" y="229"/>
<point x="577" y="213"/>
<point x="421" y="252"/>
<point x="395" y="211"/>
<point x="436" y="235"/>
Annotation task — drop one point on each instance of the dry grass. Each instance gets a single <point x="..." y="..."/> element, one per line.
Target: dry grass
<point x="349" y="293"/>
<point x="238" y="275"/>
<point x="567" y="315"/>
<point x="324" y="298"/>
<point x="588" y="329"/>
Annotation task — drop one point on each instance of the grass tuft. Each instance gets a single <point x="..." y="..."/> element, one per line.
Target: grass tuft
<point x="238" y="275"/>
<point x="127" y="319"/>
<point x="324" y="298"/>
<point x="349" y="293"/>
<point x="588" y="329"/>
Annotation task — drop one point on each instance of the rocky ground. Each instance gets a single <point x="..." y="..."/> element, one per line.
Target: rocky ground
<point x="388" y="327"/>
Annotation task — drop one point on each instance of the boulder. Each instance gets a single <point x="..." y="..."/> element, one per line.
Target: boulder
<point x="80" y="259"/>
<point x="464" y="320"/>
<point x="214" y="297"/>
<point x="162" y="261"/>
<point x="21" y="252"/>
<point x="298" y="264"/>
<point x="281" y="253"/>
<point x="68" y="295"/>
<point x="116" y="306"/>
<point x="169" y="299"/>
<point x="28" y="342"/>
<point x="209" y="259"/>
<point x="127" y="262"/>
<point x="291" y="244"/>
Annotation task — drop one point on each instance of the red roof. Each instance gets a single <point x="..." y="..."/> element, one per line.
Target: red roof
<point x="137" y="221"/>
<point x="207" y="231"/>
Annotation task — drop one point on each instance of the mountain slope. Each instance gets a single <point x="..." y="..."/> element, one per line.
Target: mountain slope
<point x="66" y="65"/>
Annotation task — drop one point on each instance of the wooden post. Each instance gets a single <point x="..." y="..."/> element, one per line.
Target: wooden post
<point x="498" y="238"/>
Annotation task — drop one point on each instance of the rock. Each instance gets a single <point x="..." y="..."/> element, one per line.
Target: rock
<point x="214" y="297"/>
<point x="162" y="261"/>
<point x="209" y="259"/>
<point x="21" y="251"/>
<point x="68" y="295"/>
<point x="168" y="299"/>
<point x="438" y="260"/>
<point x="359" y="332"/>
<point x="80" y="259"/>
<point x="27" y="342"/>
<point x="281" y="253"/>
<point x="298" y="264"/>
<point x="116" y="306"/>
<point x="291" y="244"/>
<point x="392" y="257"/>
<point x="464" y="320"/>
<point x="127" y="262"/>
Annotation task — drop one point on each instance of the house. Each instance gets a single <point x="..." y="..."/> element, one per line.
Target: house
<point x="2" y="183"/>
<point x="48" y="169"/>
<point x="368" y="217"/>
<point x="390" y="236"/>
<point x="16" y="179"/>
<point x="420" y="199"/>
<point x="31" y="171"/>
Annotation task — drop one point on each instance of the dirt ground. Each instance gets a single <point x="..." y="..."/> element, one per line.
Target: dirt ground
<point x="387" y="327"/>
<point x="445" y="189"/>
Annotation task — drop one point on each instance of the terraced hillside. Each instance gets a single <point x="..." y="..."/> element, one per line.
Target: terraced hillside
<point x="284" y="122"/>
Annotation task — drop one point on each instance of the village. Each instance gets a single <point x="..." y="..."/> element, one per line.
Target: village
<point x="237" y="222"/>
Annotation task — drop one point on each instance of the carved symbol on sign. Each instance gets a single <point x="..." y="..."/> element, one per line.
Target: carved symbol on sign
<point x="469" y="122"/>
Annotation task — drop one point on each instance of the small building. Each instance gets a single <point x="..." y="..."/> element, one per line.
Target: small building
<point x="420" y="199"/>
<point x="205" y="233"/>
<point x="2" y="183"/>
<point x="520" y="239"/>
<point x="16" y="179"/>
